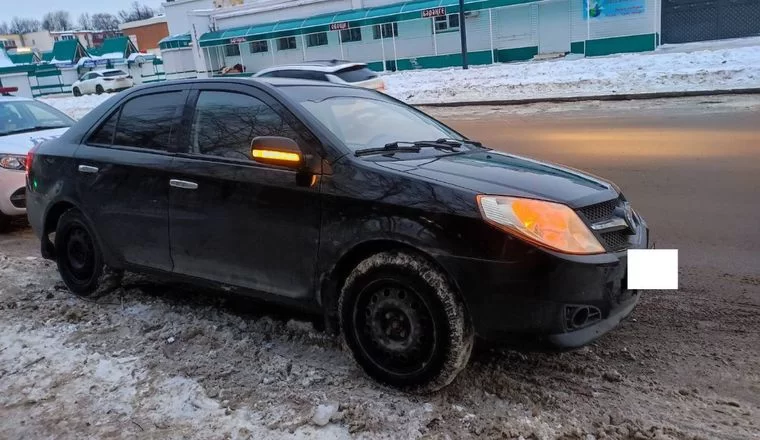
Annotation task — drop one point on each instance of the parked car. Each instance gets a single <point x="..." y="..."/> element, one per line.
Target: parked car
<point x="24" y="123"/>
<point x="334" y="71"/>
<point x="341" y="201"/>
<point x="113" y="80"/>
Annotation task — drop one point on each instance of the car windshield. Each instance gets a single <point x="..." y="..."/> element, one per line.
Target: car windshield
<point x="366" y="120"/>
<point x="355" y="74"/>
<point x="27" y="116"/>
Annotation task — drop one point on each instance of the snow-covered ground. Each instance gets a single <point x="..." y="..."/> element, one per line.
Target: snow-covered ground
<point x="714" y="65"/>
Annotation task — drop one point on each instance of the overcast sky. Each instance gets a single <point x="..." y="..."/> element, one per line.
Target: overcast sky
<point x="38" y="8"/>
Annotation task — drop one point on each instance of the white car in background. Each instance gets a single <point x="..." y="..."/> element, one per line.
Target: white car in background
<point x="113" y="80"/>
<point x="24" y="123"/>
<point x="335" y="71"/>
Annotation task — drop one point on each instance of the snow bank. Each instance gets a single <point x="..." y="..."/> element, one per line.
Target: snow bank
<point x="721" y="68"/>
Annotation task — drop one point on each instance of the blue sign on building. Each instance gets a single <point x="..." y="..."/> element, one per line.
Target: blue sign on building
<point x="612" y="8"/>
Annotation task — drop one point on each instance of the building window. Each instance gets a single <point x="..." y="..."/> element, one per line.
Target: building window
<point x="67" y="37"/>
<point x="259" y="46"/>
<point x="349" y="35"/>
<point x="232" y="50"/>
<point x="447" y="23"/>
<point x="286" y="43"/>
<point x="318" y="39"/>
<point x="388" y="30"/>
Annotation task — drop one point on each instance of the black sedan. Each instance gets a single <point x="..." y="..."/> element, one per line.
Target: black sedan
<point x="407" y="236"/>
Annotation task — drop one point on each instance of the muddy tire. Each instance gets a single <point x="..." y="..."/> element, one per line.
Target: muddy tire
<point x="403" y="322"/>
<point x="76" y="91"/>
<point x="99" y="89"/>
<point x="79" y="258"/>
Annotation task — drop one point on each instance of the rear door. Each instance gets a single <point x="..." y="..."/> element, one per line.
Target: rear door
<point x="90" y="81"/>
<point x="123" y="170"/>
<point x="236" y="221"/>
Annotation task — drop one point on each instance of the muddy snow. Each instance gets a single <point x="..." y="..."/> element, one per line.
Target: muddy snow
<point x="153" y="360"/>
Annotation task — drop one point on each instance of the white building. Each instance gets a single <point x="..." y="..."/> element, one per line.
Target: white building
<point x="389" y="35"/>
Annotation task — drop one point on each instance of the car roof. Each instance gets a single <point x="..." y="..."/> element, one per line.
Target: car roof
<point x="318" y="66"/>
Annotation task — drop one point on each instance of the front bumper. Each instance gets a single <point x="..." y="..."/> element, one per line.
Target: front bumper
<point x="567" y="301"/>
<point x="12" y="195"/>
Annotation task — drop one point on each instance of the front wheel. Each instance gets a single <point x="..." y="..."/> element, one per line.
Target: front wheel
<point x="80" y="261"/>
<point x="404" y="323"/>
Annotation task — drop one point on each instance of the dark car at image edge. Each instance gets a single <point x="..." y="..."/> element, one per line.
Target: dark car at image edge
<point x="407" y="236"/>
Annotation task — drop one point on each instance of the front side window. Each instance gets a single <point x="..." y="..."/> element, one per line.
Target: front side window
<point x="286" y="43"/>
<point x="349" y="35"/>
<point x="232" y="50"/>
<point x="364" y="121"/>
<point x="28" y="116"/>
<point x="225" y="123"/>
<point x="150" y="121"/>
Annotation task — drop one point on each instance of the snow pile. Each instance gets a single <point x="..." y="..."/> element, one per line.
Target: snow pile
<point x="76" y="107"/>
<point x="5" y="61"/>
<point x="723" y="68"/>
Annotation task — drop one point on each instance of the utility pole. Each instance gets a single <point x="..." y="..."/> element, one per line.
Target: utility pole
<point x="463" y="34"/>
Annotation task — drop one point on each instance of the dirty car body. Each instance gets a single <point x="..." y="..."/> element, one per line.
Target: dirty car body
<point x="403" y="242"/>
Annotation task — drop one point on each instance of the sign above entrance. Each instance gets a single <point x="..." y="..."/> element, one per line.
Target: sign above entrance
<point x="343" y="25"/>
<point x="433" y="12"/>
<point x="237" y="40"/>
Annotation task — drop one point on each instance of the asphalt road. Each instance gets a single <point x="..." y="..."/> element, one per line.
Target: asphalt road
<point x="691" y="167"/>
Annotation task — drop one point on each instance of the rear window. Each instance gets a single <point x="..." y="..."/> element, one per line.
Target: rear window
<point x="355" y="74"/>
<point x="114" y="73"/>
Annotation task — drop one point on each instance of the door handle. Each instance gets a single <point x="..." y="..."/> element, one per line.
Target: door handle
<point x="88" y="169"/>
<point x="184" y="184"/>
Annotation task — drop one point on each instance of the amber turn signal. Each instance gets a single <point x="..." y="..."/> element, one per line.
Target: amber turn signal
<point x="274" y="155"/>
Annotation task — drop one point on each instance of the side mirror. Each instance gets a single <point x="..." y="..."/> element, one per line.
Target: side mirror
<point x="276" y="150"/>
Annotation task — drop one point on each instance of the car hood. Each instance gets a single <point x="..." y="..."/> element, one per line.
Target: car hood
<point x="21" y="143"/>
<point x="493" y="172"/>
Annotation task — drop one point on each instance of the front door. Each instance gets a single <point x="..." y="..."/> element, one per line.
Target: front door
<point x="233" y="220"/>
<point x="554" y="27"/>
<point x="123" y="177"/>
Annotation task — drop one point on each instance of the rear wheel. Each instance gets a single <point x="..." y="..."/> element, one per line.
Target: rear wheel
<point x="99" y="89"/>
<point x="77" y="92"/>
<point x="80" y="261"/>
<point x="403" y="322"/>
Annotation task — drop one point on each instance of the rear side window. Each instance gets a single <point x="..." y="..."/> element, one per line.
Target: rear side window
<point x="225" y="123"/>
<point x="302" y="74"/>
<point x="150" y="121"/>
<point x="355" y="74"/>
<point x="104" y="134"/>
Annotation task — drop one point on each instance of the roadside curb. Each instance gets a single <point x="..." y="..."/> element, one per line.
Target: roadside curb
<point x="615" y="97"/>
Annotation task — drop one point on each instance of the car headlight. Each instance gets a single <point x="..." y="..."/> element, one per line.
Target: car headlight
<point x="13" y="162"/>
<point x="551" y="225"/>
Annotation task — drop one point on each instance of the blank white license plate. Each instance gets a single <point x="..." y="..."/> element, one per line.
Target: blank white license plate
<point x="653" y="269"/>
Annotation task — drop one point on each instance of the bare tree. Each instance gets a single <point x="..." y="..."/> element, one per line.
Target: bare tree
<point x="4" y="28"/>
<point x="24" y="25"/>
<point x="136" y="12"/>
<point x="105" y="22"/>
<point x="57" y="21"/>
<point x="85" y="22"/>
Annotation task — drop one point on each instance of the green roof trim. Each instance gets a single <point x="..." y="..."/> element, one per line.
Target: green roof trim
<point x="68" y="52"/>
<point x="23" y="58"/>
<point x="175" y="42"/>
<point x="47" y="56"/>
<point x="121" y="45"/>
<point x="411" y="10"/>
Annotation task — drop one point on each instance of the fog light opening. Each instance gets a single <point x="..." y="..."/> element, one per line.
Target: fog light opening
<point x="580" y="317"/>
<point x="577" y="317"/>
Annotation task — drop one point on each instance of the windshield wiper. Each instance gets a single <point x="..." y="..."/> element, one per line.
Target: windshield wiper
<point x="35" y="128"/>
<point x="411" y="147"/>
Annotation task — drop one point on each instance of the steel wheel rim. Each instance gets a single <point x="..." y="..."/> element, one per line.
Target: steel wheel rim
<point x="80" y="254"/>
<point x="395" y="328"/>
